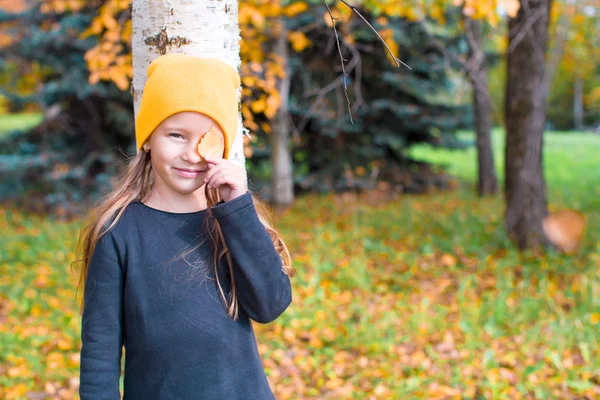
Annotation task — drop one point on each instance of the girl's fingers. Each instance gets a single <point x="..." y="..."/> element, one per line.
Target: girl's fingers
<point x="213" y="169"/>
<point x="215" y="183"/>
<point x="217" y="179"/>
<point x="221" y="172"/>
<point x="213" y="160"/>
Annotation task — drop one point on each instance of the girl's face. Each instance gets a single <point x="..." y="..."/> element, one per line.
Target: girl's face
<point x="175" y="160"/>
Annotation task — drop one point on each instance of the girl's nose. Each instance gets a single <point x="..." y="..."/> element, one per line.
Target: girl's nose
<point x="191" y="153"/>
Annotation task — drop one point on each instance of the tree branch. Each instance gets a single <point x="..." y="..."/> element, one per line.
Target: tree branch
<point x="396" y="60"/>
<point x="525" y="28"/>
<point x="337" y="38"/>
<point x="342" y="59"/>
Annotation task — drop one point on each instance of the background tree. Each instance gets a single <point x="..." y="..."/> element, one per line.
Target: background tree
<point x="525" y="116"/>
<point x="487" y="182"/>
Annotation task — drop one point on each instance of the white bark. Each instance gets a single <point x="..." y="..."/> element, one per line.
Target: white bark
<point x="203" y="28"/>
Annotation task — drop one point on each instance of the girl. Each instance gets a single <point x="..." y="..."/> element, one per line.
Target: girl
<point x="179" y="258"/>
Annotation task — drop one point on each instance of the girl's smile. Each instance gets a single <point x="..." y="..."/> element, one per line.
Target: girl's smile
<point x="189" y="173"/>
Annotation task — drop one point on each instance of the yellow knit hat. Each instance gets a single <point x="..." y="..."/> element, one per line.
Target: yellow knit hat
<point x="179" y="82"/>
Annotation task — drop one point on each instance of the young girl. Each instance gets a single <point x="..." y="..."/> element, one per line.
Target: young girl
<point x="179" y="258"/>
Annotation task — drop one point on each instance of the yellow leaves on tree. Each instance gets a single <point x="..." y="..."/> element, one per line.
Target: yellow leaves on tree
<point x="295" y="8"/>
<point x="487" y="9"/>
<point x="388" y="35"/>
<point x="251" y="15"/>
<point x="61" y="6"/>
<point x="340" y="15"/>
<point x="109" y="59"/>
<point x="14" y="6"/>
<point x="298" y="40"/>
<point x="511" y="6"/>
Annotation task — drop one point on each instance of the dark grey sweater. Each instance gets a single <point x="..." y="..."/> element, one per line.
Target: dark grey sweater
<point x="167" y="312"/>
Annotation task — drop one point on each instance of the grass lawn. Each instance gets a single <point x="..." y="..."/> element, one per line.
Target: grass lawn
<point x="11" y="122"/>
<point x="421" y="298"/>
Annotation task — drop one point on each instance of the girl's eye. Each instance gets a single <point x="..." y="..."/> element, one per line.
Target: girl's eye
<point x="175" y="135"/>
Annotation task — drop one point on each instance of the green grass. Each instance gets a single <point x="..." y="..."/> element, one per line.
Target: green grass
<point x="11" y="122"/>
<point x="571" y="165"/>
<point x="419" y="298"/>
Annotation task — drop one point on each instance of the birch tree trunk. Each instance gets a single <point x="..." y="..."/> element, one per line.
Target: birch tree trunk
<point x="283" y="181"/>
<point x="202" y="28"/>
<point x="525" y="116"/>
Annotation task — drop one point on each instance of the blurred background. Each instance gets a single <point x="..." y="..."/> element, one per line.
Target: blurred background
<point x="443" y="212"/>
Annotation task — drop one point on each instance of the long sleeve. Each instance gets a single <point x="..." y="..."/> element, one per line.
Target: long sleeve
<point x="102" y="324"/>
<point x="264" y="290"/>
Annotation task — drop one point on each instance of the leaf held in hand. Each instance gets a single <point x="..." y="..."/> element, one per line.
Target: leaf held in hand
<point x="211" y="144"/>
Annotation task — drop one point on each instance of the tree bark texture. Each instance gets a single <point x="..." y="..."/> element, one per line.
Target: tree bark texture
<point x="525" y="115"/>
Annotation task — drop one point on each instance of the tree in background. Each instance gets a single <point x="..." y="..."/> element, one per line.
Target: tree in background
<point x="72" y="155"/>
<point x="487" y="182"/>
<point x="525" y="116"/>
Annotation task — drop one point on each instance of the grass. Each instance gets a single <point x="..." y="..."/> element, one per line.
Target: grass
<point x="21" y="121"/>
<point x="570" y="165"/>
<point x="419" y="298"/>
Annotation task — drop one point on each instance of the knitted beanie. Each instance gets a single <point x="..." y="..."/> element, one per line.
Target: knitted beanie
<point x="179" y="82"/>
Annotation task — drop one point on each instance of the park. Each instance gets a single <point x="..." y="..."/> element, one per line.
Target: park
<point x="433" y="167"/>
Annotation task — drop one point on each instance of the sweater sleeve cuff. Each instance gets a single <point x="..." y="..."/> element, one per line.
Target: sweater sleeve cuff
<point x="222" y="209"/>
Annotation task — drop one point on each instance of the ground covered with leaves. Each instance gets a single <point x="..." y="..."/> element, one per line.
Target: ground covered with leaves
<point x="422" y="297"/>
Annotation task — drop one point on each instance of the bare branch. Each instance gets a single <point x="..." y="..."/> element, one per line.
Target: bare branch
<point x="321" y="95"/>
<point x="525" y="28"/>
<point x="396" y="60"/>
<point x="337" y="38"/>
<point x="358" y="74"/>
<point x="357" y="62"/>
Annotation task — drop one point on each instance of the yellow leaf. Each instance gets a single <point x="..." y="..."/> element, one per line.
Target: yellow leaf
<point x="112" y="35"/>
<point x="412" y="14"/>
<point x="94" y="78"/>
<point x="249" y="119"/>
<point x="295" y="8"/>
<point x="55" y="360"/>
<point x="511" y="6"/>
<point x="388" y="36"/>
<point x="448" y="260"/>
<point x="289" y="335"/>
<point x="119" y="77"/>
<point x="266" y="127"/>
<point x="64" y="344"/>
<point x="16" y="392"/>
<point x="382" y="21"/>
<point x="273" y="103"/>
<point x="468" y="11"/>
<point x="256" y="18"/>
<point x="258" y="105"/>
<point x="59" y="6"/>
<point x="329" y="334"/>
<point x="299" y="41"/>
<point x="126" y="32"/>
<point x="248" y="80"/>
<point x="108" y="21"/>
<point x="45" y="8"/>
<point x="327" y="17"/>
<point x="595" y="318"/>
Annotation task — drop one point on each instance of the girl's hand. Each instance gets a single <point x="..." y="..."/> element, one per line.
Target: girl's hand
<point x="228" y="177"/>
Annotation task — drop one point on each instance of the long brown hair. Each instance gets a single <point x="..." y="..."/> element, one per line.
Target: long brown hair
<point x="135" y="185"/>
